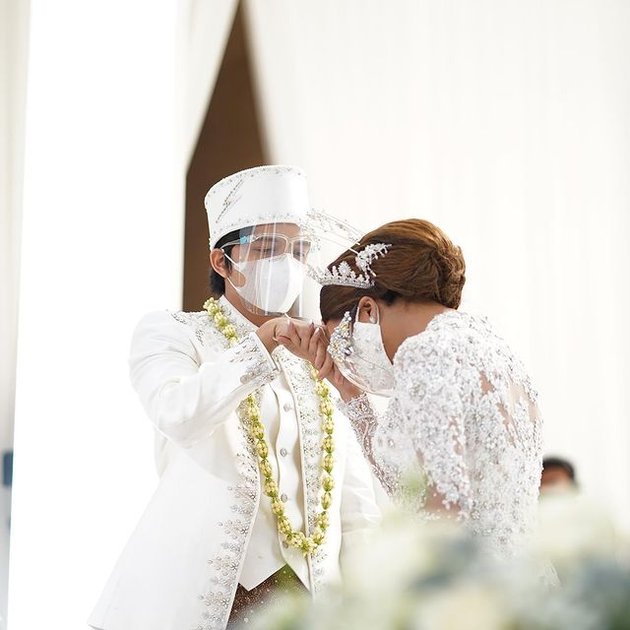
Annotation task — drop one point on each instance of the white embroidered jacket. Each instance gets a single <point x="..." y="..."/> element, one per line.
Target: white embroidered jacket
<point x="181" y="567"/>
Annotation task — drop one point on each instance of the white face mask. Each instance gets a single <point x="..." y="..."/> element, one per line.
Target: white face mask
<point x="361" y="356"/>
<point x="271" y="284"/>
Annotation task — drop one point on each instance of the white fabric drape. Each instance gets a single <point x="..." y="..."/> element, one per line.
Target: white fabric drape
<point x="116" y="95"/>
<point x="506" y="123"/>
<point x="13" y="66"/>
<point x="204" y="29"/>
<point x="101" y="244"/>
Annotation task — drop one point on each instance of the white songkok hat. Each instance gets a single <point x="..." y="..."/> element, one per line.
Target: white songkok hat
<point x="264" y="194"/>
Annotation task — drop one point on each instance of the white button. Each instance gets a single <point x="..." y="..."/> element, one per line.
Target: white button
<point x="284" y="498"/>
<point x="284" y="452"/>
<point x="246" y="378"/>
<point x="287" y="406"/>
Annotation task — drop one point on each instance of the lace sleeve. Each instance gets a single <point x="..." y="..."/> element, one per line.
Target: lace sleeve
<point x="365" y="420"/>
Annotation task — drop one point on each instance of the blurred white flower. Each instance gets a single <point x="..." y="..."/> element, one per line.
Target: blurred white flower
<point x="465" y="606"/>
<point x="571" y="526"/>
<point x="421" y="575"/>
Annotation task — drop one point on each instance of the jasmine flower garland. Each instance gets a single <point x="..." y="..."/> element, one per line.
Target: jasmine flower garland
<point x="294" y="538"/>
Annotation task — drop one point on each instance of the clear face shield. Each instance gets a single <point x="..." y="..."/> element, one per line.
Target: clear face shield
<point x="268" y="264"/>
<point x="272" y="264"/>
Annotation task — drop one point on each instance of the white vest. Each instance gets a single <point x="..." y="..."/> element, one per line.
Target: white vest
<point x="266" y="552"/>
<point x="208" y="526"/>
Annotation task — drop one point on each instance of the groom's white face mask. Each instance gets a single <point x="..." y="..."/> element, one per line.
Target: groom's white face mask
<point x="268" y="266"/>
<point x="271" y="284"/>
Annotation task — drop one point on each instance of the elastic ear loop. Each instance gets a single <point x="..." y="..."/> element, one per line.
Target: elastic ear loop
<point x="234" y="266"/>
<point x="355" y="314"/>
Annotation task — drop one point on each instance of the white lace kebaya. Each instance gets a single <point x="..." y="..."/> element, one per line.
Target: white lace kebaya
<point x="463" y="415"/>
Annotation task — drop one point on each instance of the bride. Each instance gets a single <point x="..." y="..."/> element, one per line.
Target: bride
<point x="462" y="416"/>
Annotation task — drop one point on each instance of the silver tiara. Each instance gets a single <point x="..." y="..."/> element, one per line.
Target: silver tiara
<point x="344" y="275"/>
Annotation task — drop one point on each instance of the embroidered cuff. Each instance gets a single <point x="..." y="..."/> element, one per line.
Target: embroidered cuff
<point x="258" y="366"/>
<point x="362" y="417"/>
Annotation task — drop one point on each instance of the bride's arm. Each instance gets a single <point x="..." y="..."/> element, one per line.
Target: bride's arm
<point x="431" y="391"/>
<point x="365" y="421"/>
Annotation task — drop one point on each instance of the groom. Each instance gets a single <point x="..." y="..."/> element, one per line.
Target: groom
<point x="261" y="489"/>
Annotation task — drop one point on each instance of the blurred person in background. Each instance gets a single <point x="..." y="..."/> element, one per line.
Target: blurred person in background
<point x="572" y="525"/>
<point x="558" y="475"/>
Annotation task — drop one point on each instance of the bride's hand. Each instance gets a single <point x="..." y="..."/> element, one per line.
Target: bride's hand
<point x="301" y="338"/>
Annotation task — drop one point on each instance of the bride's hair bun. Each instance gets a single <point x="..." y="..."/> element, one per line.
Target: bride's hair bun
<point x="421" y="265"/>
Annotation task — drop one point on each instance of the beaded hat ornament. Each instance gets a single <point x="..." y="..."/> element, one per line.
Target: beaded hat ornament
<point x="257" y="196"/>
<point x="273" y="196"/>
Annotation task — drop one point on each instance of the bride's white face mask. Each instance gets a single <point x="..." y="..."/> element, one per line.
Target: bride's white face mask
<point x="358" y="351"/>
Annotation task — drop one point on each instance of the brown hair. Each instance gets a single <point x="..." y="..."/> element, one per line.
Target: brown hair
<point x="422" y="265"/>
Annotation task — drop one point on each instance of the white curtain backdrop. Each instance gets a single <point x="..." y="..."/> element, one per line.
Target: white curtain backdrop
<point x="13" y="65"/>
<point x="508" y="124"/>
<point x="205" y="26"/>
<point x="117" y="93"/>
<point x="102" y="243"/>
